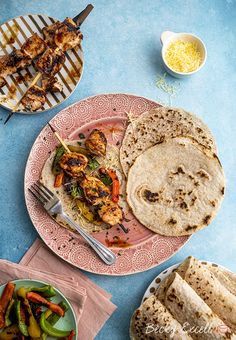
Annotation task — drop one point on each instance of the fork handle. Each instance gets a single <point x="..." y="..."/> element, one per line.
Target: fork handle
<point x="103" y="252"/>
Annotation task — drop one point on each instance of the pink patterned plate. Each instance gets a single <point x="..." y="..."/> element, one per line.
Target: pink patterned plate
<point x="136" y="251"/>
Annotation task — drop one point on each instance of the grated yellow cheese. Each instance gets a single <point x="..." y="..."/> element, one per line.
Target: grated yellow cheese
<point x="183" y="56"/>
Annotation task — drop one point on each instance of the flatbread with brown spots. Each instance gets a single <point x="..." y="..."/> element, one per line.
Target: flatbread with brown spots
<point x="221" y="301"/>
<point x="153" y="126"/>
<point x="152" y="320"/>
<point x="190" y="310"/>
<point x="176" y="187"/>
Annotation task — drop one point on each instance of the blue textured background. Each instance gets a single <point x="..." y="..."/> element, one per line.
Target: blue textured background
<point x="122" y="54"/>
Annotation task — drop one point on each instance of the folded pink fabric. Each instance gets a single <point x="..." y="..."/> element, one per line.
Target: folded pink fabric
<point x="97" y="308"/>
<point x="76" y="295"/>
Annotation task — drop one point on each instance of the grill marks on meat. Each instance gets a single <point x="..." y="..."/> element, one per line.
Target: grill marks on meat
<point x="20" y="58"/>
<point x="50" y="62"/>
<point x="33" y="46"/>
<point x="96" y="143"/>
<point x="63" y="35"/>
<point x="98" y="194"/>
<point x="94" y="190"/>
<point x="34" y="99"/>
<point x="110" y="213"/>
<point x="51" y="84"/>
<point x="68" y="36"/>
<point x="49" y="33"/>
<point x="16" y="60"/>
<point x="73" y="163"/>
<point x="59" y="37"/>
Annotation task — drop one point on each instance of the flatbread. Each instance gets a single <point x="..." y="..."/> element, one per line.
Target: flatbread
<point x="226" y="278"/>
<point x="153" y="126"/>
<point x="152" y="320"/>
<point x="210" y="289"/>
<point x="190" y="310"/>
<point x="176" y="187"/>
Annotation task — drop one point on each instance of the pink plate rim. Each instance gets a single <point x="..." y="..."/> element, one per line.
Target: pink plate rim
<point x="141" y="257"/>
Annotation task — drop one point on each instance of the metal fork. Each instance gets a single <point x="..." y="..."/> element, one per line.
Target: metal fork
<point x="53" y="206"/>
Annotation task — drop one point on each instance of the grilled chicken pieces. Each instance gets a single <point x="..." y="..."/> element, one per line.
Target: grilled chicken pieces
<point x="19" y="59"/>
<point x="63" y="35"/>
<point x="73" y="163"/>
<point x="16" y="60"/>
<point x="96" y="143"/>
<point x="97" y="194"/>
<point x="60" y="35"/>
<point x="94" y="190"/>
<point x="51" y="84"/>
<point x="34" y="99"/>
<point x="110" y="212"/>
<point x="34" y="46"/>
<point x="50" y="62"/>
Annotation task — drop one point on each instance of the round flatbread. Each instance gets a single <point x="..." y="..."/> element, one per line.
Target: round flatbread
<point x="153" y="126"/>
<point x="175" y="188"/>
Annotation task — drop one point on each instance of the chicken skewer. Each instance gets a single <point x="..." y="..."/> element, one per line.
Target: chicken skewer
<point x="18" y="59"/>
<point x="62" y="35"/>
<point x="65" y="36"/>
<point x="36" y="78"/>
<point x="48" y="64"/>
<point x="95" y="191"/>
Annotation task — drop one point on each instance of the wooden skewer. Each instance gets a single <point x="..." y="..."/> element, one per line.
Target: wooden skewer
<point x="34" y="81"/>
<point x="79" y="19"/>
<point x="56" y="134"/>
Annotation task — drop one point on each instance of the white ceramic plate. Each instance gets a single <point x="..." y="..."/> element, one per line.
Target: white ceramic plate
<point x="14" y="33"/>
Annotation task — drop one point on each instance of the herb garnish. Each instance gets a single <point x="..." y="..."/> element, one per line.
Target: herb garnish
<point x="76" y="192"/>
<point x="93" y="164"/>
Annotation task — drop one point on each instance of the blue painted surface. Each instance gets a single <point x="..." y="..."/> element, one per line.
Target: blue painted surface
<point x="122" y="54"/>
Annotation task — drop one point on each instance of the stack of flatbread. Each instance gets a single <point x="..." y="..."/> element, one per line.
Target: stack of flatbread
<point x="175" y="181"/>
<point x="197" y="301"/>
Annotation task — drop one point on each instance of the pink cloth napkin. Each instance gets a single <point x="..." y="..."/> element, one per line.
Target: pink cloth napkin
<point x="97" y="307"/>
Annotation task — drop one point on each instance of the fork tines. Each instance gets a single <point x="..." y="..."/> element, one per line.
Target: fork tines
<point x="41" y="193"/>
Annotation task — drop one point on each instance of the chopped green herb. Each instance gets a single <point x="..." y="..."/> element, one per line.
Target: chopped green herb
<point x="76" y="192"/>
<point x="93" y="164"/>
<point x="106" y="180"/>
<point x="81" y="136"/>
<point x="79" y="143"/>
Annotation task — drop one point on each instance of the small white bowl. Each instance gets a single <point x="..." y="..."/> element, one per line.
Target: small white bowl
<point x="168" y="37"/>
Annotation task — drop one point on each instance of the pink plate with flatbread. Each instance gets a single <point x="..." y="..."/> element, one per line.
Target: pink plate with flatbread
<point x="137" y="251"/>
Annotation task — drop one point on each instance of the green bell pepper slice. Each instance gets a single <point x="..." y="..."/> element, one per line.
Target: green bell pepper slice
<point x="21" y="323"/>
<point x="8" y="311"/>
<point x="50" y="330"/>
<point x="46" y="291"/>
<point x="53" y="318"/>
